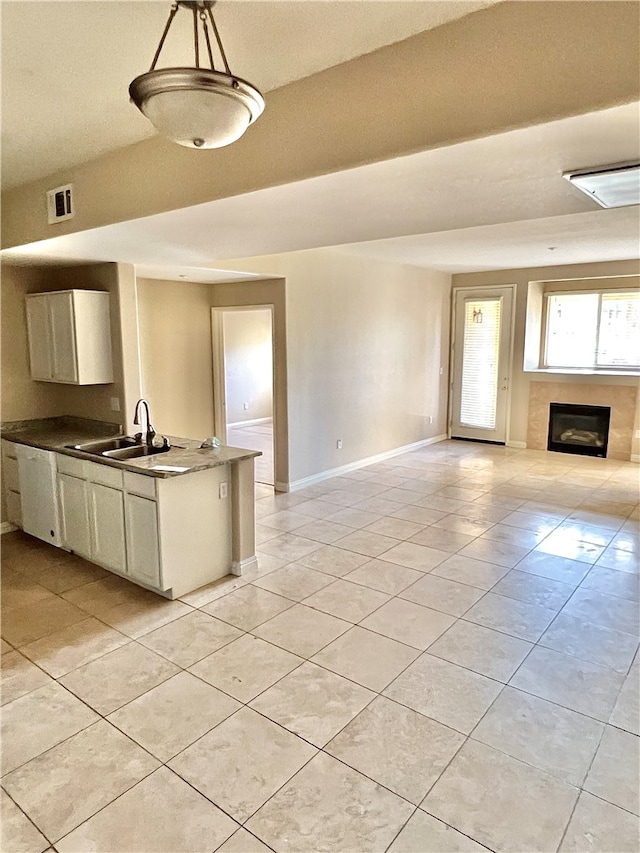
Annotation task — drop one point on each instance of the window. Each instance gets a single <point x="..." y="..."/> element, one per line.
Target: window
<point x="481" y="348"/>
<point x="597" y="330"/>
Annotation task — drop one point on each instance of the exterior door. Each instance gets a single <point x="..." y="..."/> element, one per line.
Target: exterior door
<point x="482" y="335"/>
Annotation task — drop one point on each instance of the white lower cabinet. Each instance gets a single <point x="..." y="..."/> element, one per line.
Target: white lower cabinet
<point x="143" y="557"/>
<point x="74" y="513"/>
<point x="171" y="535"/>
<point x="106" y="513"/>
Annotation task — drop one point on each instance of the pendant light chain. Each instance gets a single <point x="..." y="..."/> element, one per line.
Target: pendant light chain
<point x="197" y="11"/>
<point x="196" y="43"/>
<point x="219" y="40"/>
<point x="203" y="18"/>
<point x="172" y="15"/>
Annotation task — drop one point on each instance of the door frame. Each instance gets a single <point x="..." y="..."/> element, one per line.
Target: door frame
<point x="219" y="371"/>
<point x="480" y="289"/>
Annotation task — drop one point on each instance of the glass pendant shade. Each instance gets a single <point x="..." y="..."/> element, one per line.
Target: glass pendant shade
<point x="196" y="107"/>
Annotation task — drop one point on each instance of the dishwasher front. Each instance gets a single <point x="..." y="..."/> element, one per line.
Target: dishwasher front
<point x="39" y="493"/>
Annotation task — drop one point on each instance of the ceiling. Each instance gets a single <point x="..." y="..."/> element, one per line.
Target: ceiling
<point x="493" y="203"/>
<point x="67" y="64"/>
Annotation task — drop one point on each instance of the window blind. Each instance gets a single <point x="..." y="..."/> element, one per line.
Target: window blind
<point x="479" y="385"/>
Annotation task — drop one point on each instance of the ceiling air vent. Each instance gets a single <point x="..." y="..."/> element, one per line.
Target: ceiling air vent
<point x="60" y="204"/>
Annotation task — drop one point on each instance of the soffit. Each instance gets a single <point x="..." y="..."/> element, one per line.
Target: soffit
<point x="497" y="202"/>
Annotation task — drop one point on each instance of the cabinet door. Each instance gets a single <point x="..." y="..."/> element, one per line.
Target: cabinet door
<point x="106" y="512"/>
<point x="142" y="540"/>
<point x="39" y="331"/>
<point x="14" y="508"/>
<point x="63" y="343"/>
<point x="74" y="510"/>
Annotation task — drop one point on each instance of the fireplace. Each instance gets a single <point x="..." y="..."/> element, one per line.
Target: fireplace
<point x="578" y="429"/>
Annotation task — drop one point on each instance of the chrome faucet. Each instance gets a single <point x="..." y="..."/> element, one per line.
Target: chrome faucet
<point x="144" y="436"/>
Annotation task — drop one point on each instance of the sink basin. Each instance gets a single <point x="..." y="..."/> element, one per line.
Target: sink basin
<point x="107" y="444"/>
<point x="135" y="452"/>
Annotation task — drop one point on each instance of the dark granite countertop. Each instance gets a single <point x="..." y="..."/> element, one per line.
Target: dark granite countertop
<point x="60" y="434"/>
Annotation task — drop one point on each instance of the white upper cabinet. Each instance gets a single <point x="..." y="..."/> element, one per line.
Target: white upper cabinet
<point x="70" y="337"/>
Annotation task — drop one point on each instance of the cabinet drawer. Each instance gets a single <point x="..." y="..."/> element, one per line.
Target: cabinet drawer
<point x="139" y="484"/>
<point x="103" y="474"/>
<point x="70" y="465"/>
<point x="14" y="508"/>
<point x="10" y="473"/>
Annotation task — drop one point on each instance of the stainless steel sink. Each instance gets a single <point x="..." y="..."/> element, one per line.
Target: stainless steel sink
<point x="135" y="452"/>
<point x="98" y="448"/>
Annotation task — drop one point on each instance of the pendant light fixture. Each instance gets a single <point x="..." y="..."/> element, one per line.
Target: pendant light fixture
<point x="193" y="106"/>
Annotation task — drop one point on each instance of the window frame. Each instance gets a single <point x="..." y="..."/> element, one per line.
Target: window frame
<point x="594" y="367"/>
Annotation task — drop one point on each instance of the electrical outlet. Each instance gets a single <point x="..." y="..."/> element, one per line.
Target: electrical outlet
<point x="430" y="419"/>
<point x="441" y="371"/>
<point x="114" y="403"/>
<point x="245" y="406"/>
<point x="637" y="433"/>
<point x="339" y="444"/>
<point x="223" y="491"/>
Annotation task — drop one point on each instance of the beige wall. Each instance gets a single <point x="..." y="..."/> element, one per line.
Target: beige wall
<point x="248" y="364"/>
<point x="512" y="65"/>
<point x="359" y="346"/>
<point x="22" y="398"/>
<point x="176" y="356"/>
<point x="365" y="343"/>
<point x="522" y="379"/>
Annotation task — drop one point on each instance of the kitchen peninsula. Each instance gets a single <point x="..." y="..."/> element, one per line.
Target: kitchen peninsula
<point x="171" y="522"/>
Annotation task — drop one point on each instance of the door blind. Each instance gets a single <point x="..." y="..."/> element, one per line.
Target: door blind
<point x="479" y="386"/>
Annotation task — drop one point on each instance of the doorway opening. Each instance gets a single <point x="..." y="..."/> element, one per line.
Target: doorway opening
<point x="244" y="382"/>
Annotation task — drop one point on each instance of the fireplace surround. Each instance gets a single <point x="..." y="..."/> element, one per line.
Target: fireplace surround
<point x="620" y="398"/>
<point x="578" y="429"/>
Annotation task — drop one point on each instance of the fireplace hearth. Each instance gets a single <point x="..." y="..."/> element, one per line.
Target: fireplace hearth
<point x="579" y="429"/>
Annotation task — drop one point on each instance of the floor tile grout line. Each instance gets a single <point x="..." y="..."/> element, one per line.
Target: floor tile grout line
<point x="568" y="823"/>
<point x="555" y="702"/>
<point x="361" y="620"/>
<point x="18" y="806"/>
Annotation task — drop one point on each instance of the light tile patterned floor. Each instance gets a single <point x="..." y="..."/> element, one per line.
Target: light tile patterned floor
<point x="437" y="653"/>
<point x="256" y="436"/>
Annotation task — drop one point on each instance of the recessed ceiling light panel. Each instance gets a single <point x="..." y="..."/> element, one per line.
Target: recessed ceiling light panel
<point x="610" y="186"/>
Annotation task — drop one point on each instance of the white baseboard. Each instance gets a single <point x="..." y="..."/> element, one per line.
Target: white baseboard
<point x="354" y="466"/>
<point x="7" y="527"/>
<point x="520" y="445"/>
<point x="239" y="567"/>
<point x="250" y="422"/>
<point x="635" y="457"/>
